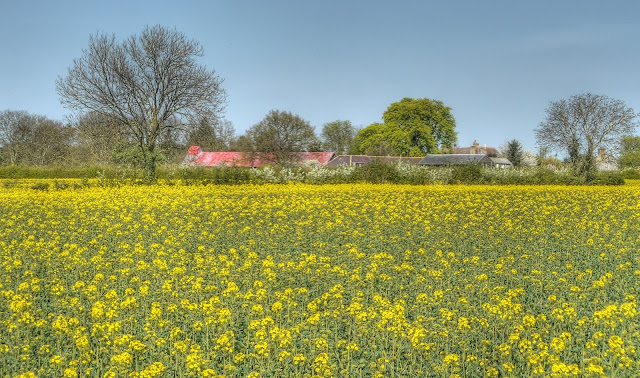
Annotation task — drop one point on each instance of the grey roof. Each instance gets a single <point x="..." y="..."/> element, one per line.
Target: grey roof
<point x="461" y="159"/>
<point x="500" y="161"/>
<point x="349" y="160"/>
<point x="364" y="159"/>
<point x="454" y="159"/>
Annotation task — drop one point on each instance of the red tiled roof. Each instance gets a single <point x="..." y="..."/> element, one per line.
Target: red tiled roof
<point x="237" y="159"/>
<point x="221" y="159"/>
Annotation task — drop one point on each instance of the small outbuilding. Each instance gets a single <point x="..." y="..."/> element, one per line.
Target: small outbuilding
<point x="359" y="160"/>
<point x="462" y="159"/>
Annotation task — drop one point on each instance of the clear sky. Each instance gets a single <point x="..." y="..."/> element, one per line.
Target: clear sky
<point x="497" y="64"/>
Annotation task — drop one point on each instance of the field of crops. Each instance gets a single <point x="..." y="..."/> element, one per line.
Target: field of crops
<point x="297" y="280"/>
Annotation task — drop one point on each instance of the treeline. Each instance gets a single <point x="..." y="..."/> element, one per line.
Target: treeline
<point x="412" y="127"/>
<point x="93" y="139"/>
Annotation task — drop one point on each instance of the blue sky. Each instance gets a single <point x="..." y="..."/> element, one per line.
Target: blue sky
<point x="497" y="64"/>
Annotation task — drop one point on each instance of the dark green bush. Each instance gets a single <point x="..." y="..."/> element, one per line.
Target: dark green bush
<point x="609" y="178"/>
<point x="630" y="174"/>
<point x="466" y="174"/>
<point x="60" y="185"/>
<point x="376" y="172"/>
<point x="44" y="186"/>
<point x="208" y="175"/>
<point x="9" y="184"/>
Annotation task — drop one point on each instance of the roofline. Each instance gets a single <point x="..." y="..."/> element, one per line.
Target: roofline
<point x="395" y="157"/>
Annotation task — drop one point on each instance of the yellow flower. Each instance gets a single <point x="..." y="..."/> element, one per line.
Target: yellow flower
<point x="452" y="358"/>
<point x="298" y="359"/>
<point x="277" y="307"/>
<point x="557" y="344"/>
<point x="262" y="348"/>
<point x="123" y="359"/>
<point x="238" y="358"/>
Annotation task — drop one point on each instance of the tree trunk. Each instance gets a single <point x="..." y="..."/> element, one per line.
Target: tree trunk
<point x="589" y="168"/>
<point x="149" y="165"/>
<point x="589" y="165"/>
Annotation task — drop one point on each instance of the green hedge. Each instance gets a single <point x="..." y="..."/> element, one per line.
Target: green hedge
<point x="375" y="172"/>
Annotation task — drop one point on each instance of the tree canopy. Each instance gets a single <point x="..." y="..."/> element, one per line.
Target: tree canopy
<point x="630" y="152"/>
<point x="514" y="153"/>
<point x="412" y="127"/>
<point x="146" y="83"/>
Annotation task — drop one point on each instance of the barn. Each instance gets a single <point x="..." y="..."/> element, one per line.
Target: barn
<point x="462" y="159"/>
<point x="197" y="157"/>
<point x="359" y="160"/>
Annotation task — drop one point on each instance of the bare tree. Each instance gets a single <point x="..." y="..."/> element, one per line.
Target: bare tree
<point x="16" y="127"/>
<point x="50" y="142"/>
<point x="338" y="136"/>
<point x="98" y="136"/>
<point x="212" y="135"/>
<point x="584" y="123"/>
<point x="34" y="139"/>
<point x="278" y="135"/>
<point x="144" y="83"/>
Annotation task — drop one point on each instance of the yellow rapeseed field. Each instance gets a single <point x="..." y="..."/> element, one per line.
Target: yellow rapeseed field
<point x="339" y="280"/>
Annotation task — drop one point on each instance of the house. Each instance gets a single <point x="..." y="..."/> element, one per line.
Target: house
<point x="197" y="157"/>
<point x="475" y="149"/>
<point x="359" y="160"/>
<point x="462" y="159"/>
<point x="605" y="162"/>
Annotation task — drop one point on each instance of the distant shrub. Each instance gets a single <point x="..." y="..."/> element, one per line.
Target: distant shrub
<point x="630" y="174"/>
<point x="9" y="184"/>
<point x="60" y="185"/>
<point x="43" y="186"/>
<point x="466" y="174"/>
<point x="609" y="178"/>
<point x="377" y="172"/>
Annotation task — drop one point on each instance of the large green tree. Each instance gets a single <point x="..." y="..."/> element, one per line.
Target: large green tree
<point x="630" y="152"/>
<point x="412" y="127"/>
<point x="425" y="115"/>
<point x="382" y="139"/>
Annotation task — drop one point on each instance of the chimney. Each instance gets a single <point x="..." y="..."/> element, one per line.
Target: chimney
<point x="474" y="148"/>
<point x="602" y="153"/>
<point x="195" y="150"/>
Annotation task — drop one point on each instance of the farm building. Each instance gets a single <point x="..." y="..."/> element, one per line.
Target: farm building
<point x="605" y="162"/>
<point x="197" y="157"/>
<point x="462" y="159"/>
<point x="358" y="160"/>
<point x="474" y="149"/>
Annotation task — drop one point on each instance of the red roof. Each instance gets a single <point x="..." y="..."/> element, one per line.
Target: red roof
<point x="237" y="159"/>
